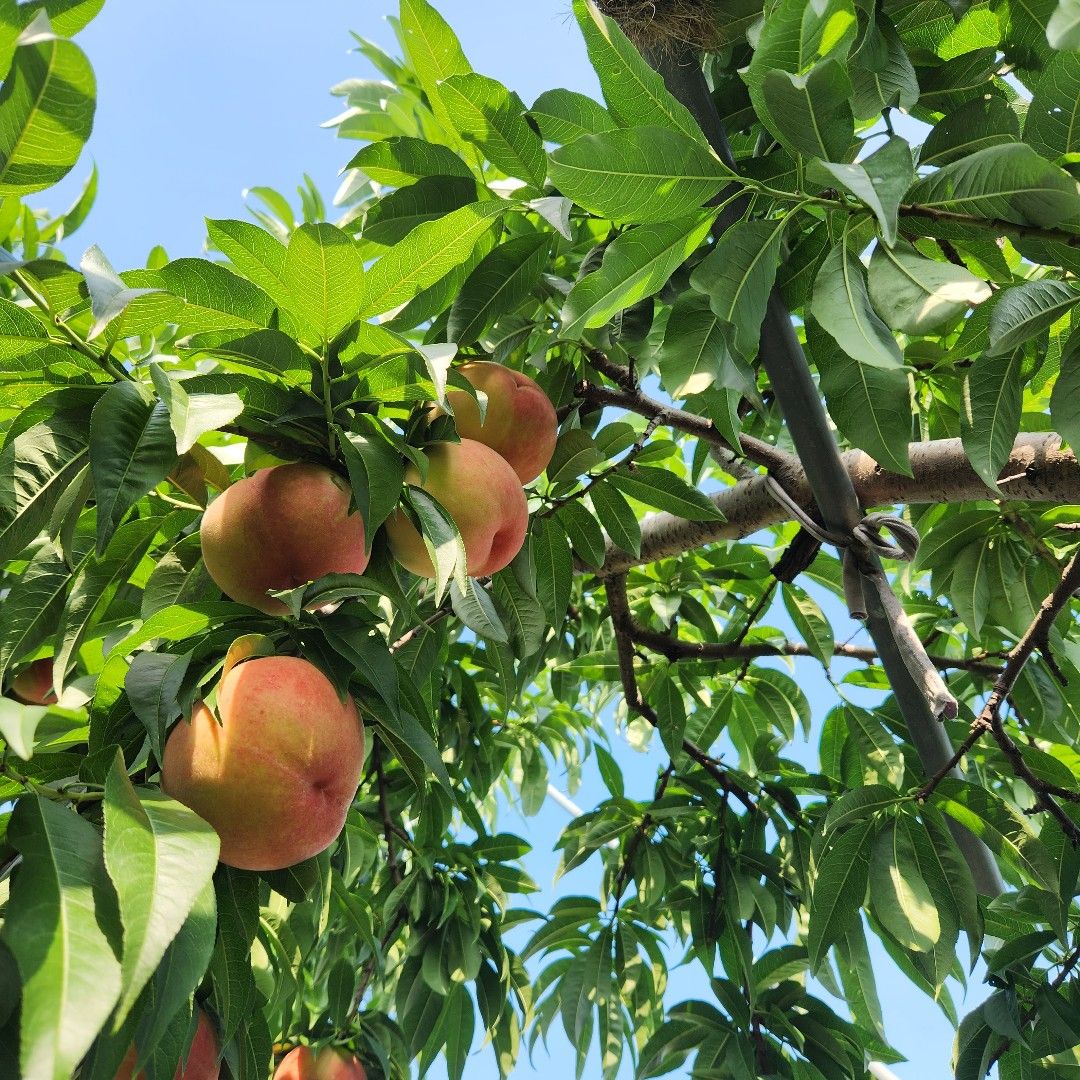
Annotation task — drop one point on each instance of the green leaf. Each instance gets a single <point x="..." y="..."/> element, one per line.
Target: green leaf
<point x="618" y="519"/>
<point x="810" y="113"/>
<point x="501" y="282"/>
<point x="695" y="357"/>
<point x="441" y="539"/>
<point x="1025" y="311"/>
<point x="425" y="256"/>
<point x="94" y="587"/>
<point x="860" y="803"/>
<point x="18" y="724"/>
<point x="641" y="174"/>
<point x="214" y="298"/>
<point x="665" y="491"/>
<point x="521" y="613"/>
<point x="31" y="608"/>
<point x="20" y="332"/>
<point x="181" y="969"/>
<point x="324" y="275"/>
<point x="1010" y="182"/>
<point x="990" y="416"/>
<point x="192" y="415"/>
<point x="565" y="115"/>
<point x="871" y="406"/>
<point x="882" y="74"/>
<point x="839" y="888"/>
<point x="636" y="264"/>
<point x="1063" y="29"/>
<point x="1052" y="126"/>
<point x="489" y="116"/>
<point x="554" y="568"/>
<point x="916" y="295"/>
<point x="738" y="276"/>
<point x="1064" y="401"/>
<point x="70" y="974"/>
<point x="230" y="967"/>
<point x="879" y="759"/>
<point x="634" y="92"/>
<point x="584" y="532"/>
<point x="160" y="856"/>
<point x="879" y="181"/>
<point x="475" y="608"/>
<point x="575" y="453"/>
<point x="899" y="896"/>
<point x="36" y="468"/>
<point x="841" y="305"/>
<point x="976" y="125"/>
<point x="1002" y="828"/>
<point x="433" y="51"/>
<point x="153" y="686"/>
<point x="376" y="473"/>
<point x="810" y="621"/>
<point x="857" y="978"/>
<point x="46" y="114"/>
<point x="255" y="253"/>
<point x="403" y="160"/>
<point x="132" y="449"/>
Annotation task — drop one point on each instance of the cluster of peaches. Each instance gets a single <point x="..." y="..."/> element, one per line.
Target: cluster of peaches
<point x="275" y="771"/>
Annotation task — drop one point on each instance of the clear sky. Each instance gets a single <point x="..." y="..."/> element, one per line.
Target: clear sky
<point x="201" y="99"/>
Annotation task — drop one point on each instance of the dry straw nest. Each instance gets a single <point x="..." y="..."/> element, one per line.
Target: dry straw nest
<point x="666" y="24"/>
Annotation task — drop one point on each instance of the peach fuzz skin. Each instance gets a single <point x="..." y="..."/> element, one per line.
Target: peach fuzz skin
<point x="279" y="528"/>
<point x="34" y="685"/>
<point x="520" y="423"/>
<point x="328" y="1064"/>
<point x="481" y="493"/>
<point x="202" y="1060"/>
<point x="276" y="778"/>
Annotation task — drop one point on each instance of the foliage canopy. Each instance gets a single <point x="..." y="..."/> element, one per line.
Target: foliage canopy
<point x="902" y="178"/>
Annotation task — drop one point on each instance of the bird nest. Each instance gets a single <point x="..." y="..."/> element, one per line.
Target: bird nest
<point x="665" y="24"/>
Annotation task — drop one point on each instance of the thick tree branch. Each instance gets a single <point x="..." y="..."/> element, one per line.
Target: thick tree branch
<point x="1039" y="470"/>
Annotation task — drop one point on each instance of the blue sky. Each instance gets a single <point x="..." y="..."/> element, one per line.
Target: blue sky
<point x="200" y="100"/>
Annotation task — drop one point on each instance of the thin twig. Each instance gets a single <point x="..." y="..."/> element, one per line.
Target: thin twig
<point x="1037" y="636"/>
<point x="641" y="833"/>
<point x="384" y="809"/>
<point x="619" y="610"/>
<point x="674" y="649"/>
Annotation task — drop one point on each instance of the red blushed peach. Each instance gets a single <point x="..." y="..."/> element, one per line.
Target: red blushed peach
<point x="277" y="776"/>
<point x="202" y="1059"/>
<point x="278" y="529"/>
<point x="329" y="1063"/>
<point x="34" y="685"/>
<point x="520" y="422"/>
<point x="484" y="497"/>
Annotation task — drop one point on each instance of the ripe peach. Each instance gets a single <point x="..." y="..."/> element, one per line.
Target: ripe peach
<point x="279" y="528"/>
<point x="202" y="1059"/>
<point x="34" y="685"/>
<point x="482" y="494"/>
<point x="520" y="422"/>
<point x="330" y="1063"/>
<point x="277" y="776"/>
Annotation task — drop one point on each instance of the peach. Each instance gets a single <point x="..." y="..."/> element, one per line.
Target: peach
<point x="34" y="685"/>
<point x="279" y="528"/>
<point x="202" y="1059"/>
<point x="329" y="1063"/>
<point x="520" y="422"/>
<point x="484" y="497"/>
<point x="277" y="776"/>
